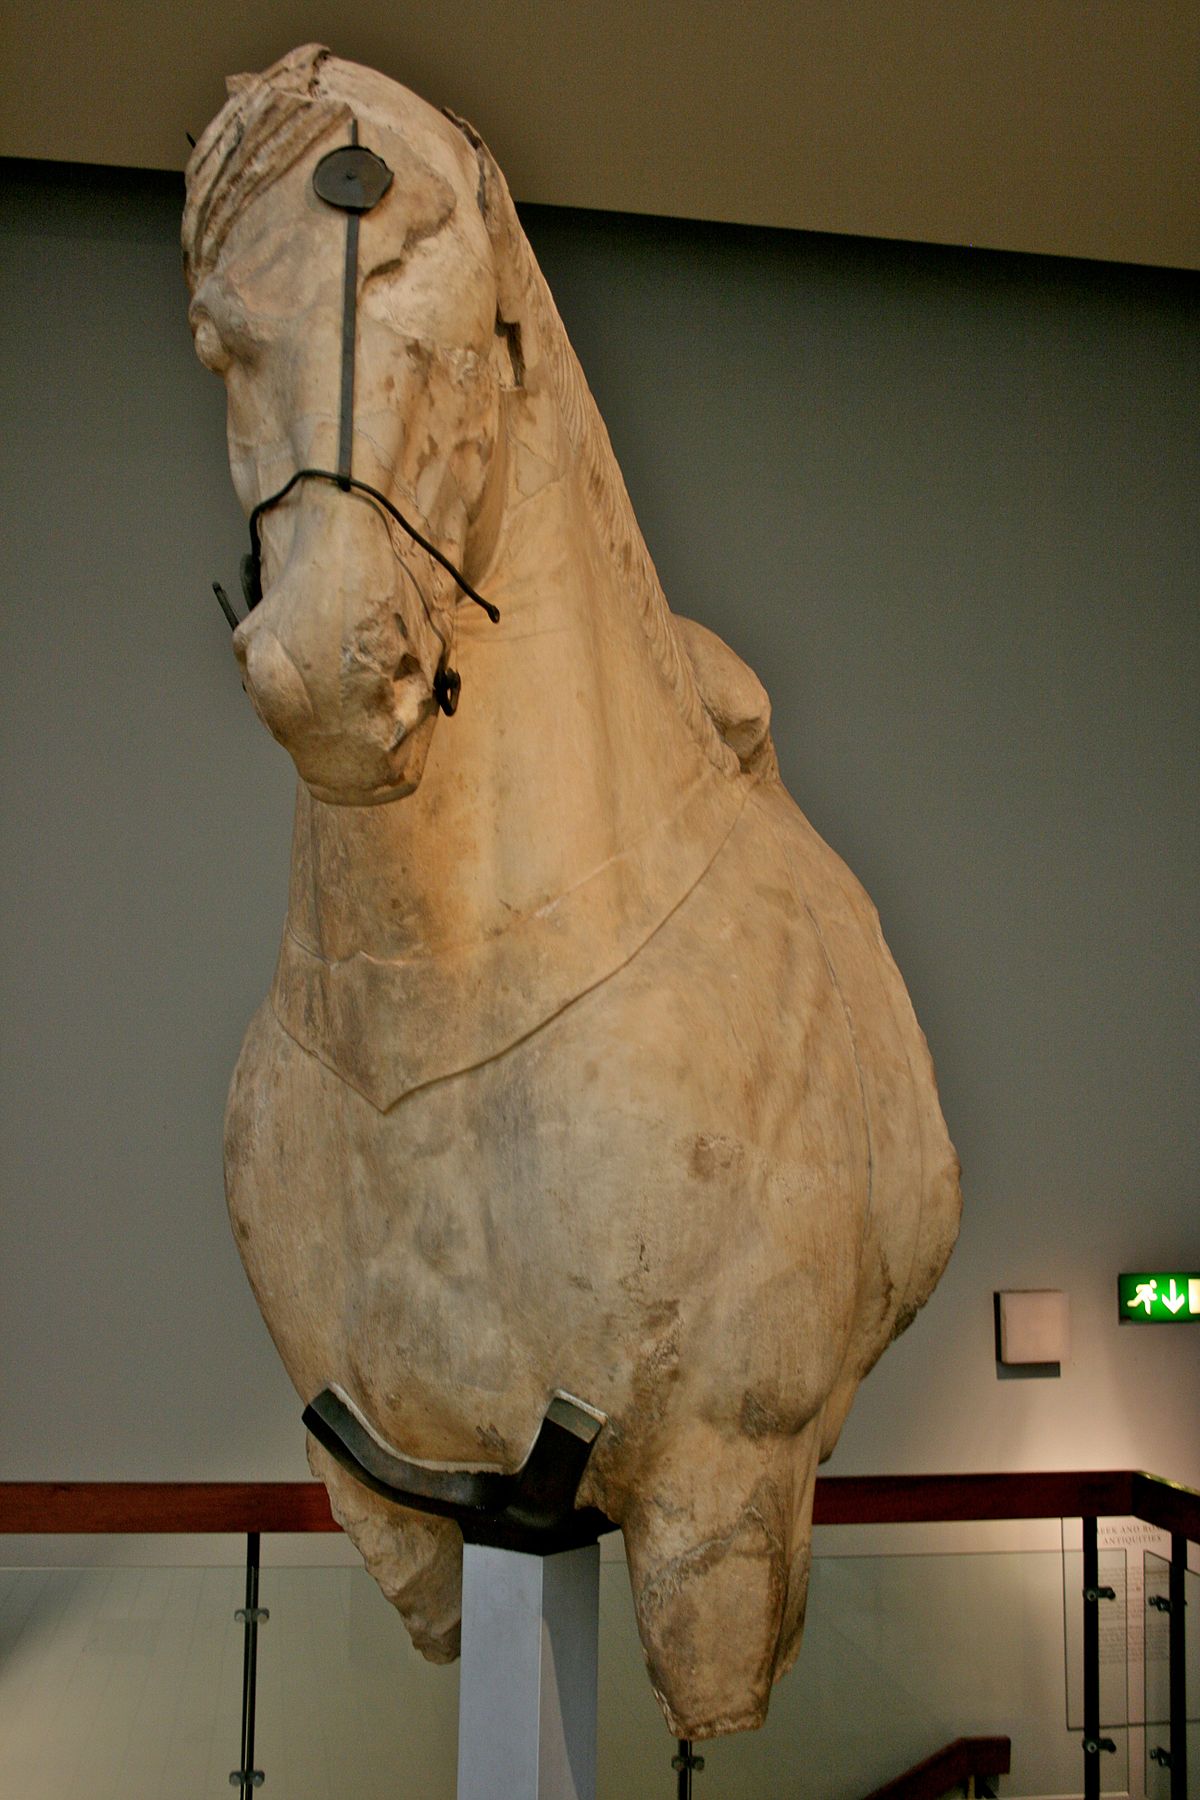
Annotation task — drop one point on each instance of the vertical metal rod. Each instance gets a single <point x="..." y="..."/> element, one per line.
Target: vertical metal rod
<point x="250" y="1661"/>
<point x="1177" y="1642"/>
<point x="1091" y="1662"/>
<point x="684" y="1759"/>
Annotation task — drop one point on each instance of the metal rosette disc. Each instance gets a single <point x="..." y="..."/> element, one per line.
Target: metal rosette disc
<point x="352" y="178"/>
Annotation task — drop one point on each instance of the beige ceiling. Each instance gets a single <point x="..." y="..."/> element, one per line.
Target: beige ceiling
<point x="1065" y="126"/>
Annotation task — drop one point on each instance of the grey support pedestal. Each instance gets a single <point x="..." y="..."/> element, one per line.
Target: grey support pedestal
<point x="531" y="1596"/>
<point x="527" y="1694"/>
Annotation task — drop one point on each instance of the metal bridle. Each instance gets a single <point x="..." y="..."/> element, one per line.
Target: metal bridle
<point x="354" y="180"/>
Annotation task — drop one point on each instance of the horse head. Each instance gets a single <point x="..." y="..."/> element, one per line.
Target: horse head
<point x="348" y="654"/>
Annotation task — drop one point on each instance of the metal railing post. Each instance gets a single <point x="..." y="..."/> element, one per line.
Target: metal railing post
<point x="1093" y="1744"/>
<point x="685" y="1763"/>
<point x="1177" y="1642"/>
<point x="246" y="1775"/>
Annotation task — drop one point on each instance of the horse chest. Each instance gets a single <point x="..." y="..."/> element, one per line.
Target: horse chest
<point x="565" y="1214"/>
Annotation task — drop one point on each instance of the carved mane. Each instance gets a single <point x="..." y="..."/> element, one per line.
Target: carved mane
<point x="266" y="125"/>
<point x="526" y="299"/>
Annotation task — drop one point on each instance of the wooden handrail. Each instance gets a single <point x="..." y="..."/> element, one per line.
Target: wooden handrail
<point x="33" y="1507"/>
<point x="30" y="1507"/>
<point x="952" y="1766"/>
<point x="1167" y="1504"/>
<point x="913" y="1499"/>
<point x="1052" y="1494"/>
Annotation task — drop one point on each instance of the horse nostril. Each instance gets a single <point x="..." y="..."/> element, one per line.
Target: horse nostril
<point x="408" y="666"/>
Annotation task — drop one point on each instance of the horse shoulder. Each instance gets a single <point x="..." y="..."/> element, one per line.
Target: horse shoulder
<point x="734" y="698"/>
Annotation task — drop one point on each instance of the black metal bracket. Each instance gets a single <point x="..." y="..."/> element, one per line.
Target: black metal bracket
<point x="1093" y="1746"/>
<point x="1099" y="1593"/>
<point x="532" y="1509"/>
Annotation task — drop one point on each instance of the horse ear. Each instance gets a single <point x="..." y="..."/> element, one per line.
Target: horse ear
<point x="499" y="215"/>
<point x="297" y="72"/>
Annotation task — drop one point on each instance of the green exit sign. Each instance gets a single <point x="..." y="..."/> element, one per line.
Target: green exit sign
<point x="1172" y="1298"/>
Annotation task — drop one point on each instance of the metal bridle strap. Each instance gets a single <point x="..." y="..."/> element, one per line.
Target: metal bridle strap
<point x="349" y="333"/>
<point x="353" y="180"/>
<point x="252" y="569"/>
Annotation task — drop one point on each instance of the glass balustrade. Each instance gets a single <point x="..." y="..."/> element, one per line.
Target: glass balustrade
<point x="127" y="1682"/>
<point x="1159" y="1602"/>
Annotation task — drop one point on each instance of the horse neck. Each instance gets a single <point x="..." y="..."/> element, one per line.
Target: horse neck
<point x="569" y="746"/>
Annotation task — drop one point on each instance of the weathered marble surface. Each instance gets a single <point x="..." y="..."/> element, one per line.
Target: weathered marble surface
<point x="585" y="1066"/>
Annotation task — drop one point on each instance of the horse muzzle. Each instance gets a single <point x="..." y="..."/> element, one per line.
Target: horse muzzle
<point x="356" y="719"/>
<point x="340" y="656"/>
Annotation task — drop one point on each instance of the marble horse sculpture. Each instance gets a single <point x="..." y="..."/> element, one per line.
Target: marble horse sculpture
<point x="585" y="1071"/>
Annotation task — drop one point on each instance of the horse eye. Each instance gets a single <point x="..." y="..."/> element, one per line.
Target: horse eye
<point x="209" y="346"/>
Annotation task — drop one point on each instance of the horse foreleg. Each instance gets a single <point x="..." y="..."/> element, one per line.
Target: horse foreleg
<point x="718" y="1563"/>
<point x="415" y="1557"/>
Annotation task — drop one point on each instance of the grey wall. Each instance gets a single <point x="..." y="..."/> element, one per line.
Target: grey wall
<point x="944" y="502"/>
